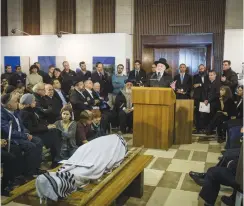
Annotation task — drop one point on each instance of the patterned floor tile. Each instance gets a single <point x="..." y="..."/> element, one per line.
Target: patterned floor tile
<point x="214" y="148"/>
<point x="195" y="147"/>
<point x="159" y="197"/>
<point x="182" y="154"/>
<point x="212" y="157"/>
<point x="152" y="177"/>
<point x="161" y="153"/>
<point x="161" y="163"/>
<point x="199" y="156"/>
<point x="170" y="180"/>
<point x="189" y="185"/>
<point x="185" y="166"/>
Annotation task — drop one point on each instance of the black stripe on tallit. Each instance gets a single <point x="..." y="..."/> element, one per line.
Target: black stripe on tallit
<point x="53" y="183"/>
<point x="62" y="188"/>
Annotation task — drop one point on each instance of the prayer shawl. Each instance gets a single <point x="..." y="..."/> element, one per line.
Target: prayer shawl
<point x="90" y="161"/>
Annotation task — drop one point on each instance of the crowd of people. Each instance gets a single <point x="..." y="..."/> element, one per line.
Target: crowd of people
<point x="63" y="110"/>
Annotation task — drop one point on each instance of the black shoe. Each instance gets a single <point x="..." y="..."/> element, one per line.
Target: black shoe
<point x="209" y="133"/>
<point x="54" y="165"/>
<point x="229" y="201"/>
<point x="197" y="174"/>
<point x="220" y="140"/>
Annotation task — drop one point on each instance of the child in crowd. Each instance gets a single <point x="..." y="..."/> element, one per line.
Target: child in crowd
<point x="68" y="129"/>
<point x="83" y="127"/>
<point x="96" y="129"/>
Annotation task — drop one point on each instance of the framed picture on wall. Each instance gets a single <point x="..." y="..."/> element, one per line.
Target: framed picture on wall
<point x="108" y="64"/>
<point x="13" y="61"/>
<point x="46" y="61"/>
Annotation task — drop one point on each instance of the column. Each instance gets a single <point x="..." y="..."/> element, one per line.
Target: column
<point x="48" y="17"/>
<point x="15" y="15"/>
<point x="84" y="16"/>
<point x="124" y="16"/>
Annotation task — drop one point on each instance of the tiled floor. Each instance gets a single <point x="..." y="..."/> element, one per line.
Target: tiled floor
<point x="166" y="179"/>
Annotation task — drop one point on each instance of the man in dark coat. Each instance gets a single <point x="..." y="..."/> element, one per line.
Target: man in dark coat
<point x="78" y="100"/>
<point x="8" y="73"/>
<point x="18" y="77"/>
<point x="54" y="103"/>
<point x="83" y="75"/>
<point x="68" y="77"/>
<point x="58" y="92"/>
<point x="160" y="78"/>
<point x="229" y="77"/>
<point x="212" y="94"/>
<point x="48" y="133"/>
<point x="183" y="84"/>
<point x="90" y="95"/>
<point x="153" y="71"/>
<point x="104" y="80"/>
<point x="31" y="146"/>
<point x="200" y="85"/>
<point x="124" y="108"/>
<point x="138" y="76"/>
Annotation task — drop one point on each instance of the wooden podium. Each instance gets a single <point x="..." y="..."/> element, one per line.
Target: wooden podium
<point x="153" y="118"/>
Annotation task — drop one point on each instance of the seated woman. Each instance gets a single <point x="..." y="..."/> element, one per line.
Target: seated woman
<point x="96" y="128"/>
<point x="48" y="133"/>
<point x="33" y="78"/>
<point x="226" y="109"/>
<point x="83" y="127"/>
<point x="68" y="129"/>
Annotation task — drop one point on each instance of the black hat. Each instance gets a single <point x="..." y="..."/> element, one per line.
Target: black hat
<point x="75" y="82"/>
<point x="161" y="62"/>
<point x="10" y="89"/>
<point x="129" y="80"/>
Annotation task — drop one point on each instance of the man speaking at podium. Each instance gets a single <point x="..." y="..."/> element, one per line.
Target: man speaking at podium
<point x="160" y="78"/>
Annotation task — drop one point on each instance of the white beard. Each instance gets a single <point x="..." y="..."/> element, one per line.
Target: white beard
<point x="128" y="91"/>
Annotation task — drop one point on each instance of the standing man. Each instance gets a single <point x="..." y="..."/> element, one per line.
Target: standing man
<point x="118" y="81"/>
<point x="183" y="84"/>
<point x="41" y="72"/>
<point x="84" y="74"/>
<point x="18" y="77"/>
<point x="160" y="78"/>
<point x="200" y="85"/>
<point x="8" y="73"/>
<point x="229" y="77"/>
<point x="104" y="80"/>
<point x="68" y="77"/>
<point x="138" y="75"/>
<point x="212" y="94"/>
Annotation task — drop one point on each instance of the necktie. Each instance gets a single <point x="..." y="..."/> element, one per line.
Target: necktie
<point x="159" y="76"/>
<point x="182" y="78"/>
<point x="137" y="74"/>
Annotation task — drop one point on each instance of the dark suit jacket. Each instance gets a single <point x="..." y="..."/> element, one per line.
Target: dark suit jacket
<point x="78" y="103"/>
<point x="239" y="109"/>
<point x="91" y="99"/>
<point x="105" y="83"/>
<point x="120" y="102"/>
<point x="212" y="93"/>
<point x="56" y="106"/>
<point x="165" y="80"/>
<point x="231" y="79"/>
<point x="186" y="86"/>
<point x="32" y="122"/>
<point x="59" y="98"/>
<point x="6" y="76"/>
<point x="6" y="117"/>
<point x="16" y="79"/>
<point x="68" y="80"/>
<point x="199" y="91"/>
<point x="84" y="77"/>
<point x="140" y="79"/>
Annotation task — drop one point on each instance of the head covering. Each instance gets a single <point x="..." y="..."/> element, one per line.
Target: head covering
<point x="162" y="62"/>
<point x="129" y="80"/>
<point x="26" y="99"/>
<point x="5" y="98"/>
<point x="10" y="89"/>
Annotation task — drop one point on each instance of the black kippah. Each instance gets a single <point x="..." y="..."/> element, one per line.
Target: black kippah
<point x="5" y="98"/>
